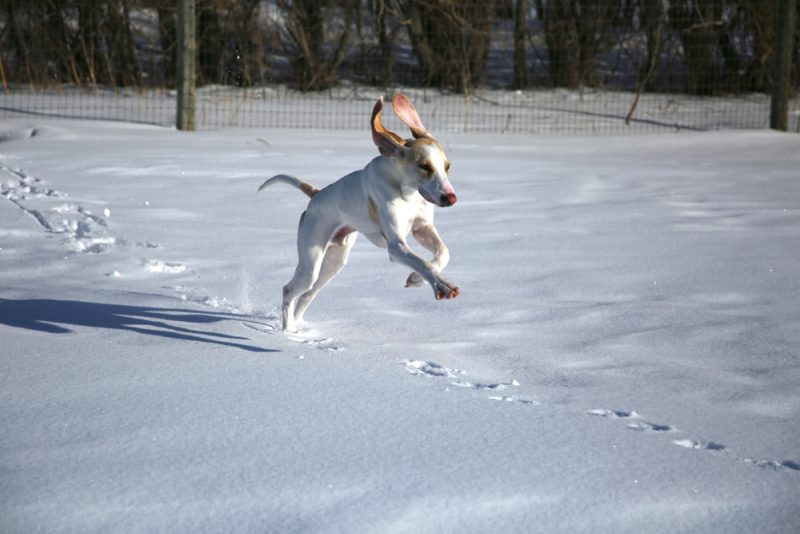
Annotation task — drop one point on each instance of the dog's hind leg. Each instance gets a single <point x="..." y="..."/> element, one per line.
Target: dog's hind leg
<point x="312" y="242"/>
<point x="302" y="281"/>
<point x="335" y="258"/>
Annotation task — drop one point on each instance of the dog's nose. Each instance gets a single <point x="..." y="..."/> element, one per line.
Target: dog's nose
<point x="449" y="199"/>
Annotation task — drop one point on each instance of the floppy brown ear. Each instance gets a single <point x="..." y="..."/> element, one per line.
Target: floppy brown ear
<point x="388" y="142"/>
<point x="406" y="112"/>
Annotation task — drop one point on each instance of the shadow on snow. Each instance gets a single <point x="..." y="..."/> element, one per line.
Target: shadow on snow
<point x="56" y="316"/>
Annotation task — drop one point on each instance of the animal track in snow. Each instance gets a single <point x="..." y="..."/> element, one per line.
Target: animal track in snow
<point x="158" y="266"/>
<point x="435" y="370"/>
<point x="636" y="424"/>
<point x="641" y="426"/>
<point x="24" y="187"/>
<point x="430" y="369"/>
<point x="85" y="231"/>
<point x="650" y="427"/>
<point x="20" y="188"/>
<point x="195" y="295"/>
<point x="774" y="464"/>
<point x="506" y="398"/>
<point x="327" y="344"/>
<point x="693" y="444"/>
<point x="92" y="217"/>
<point x="485" y="386"/>
<point x="615" y="414"/>
<point x="700" y="445"/>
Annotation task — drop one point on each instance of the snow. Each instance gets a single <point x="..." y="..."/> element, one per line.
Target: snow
<point x="623" y="356"/>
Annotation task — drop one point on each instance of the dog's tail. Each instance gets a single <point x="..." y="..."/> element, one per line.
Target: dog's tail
<point x="305" y="187"/>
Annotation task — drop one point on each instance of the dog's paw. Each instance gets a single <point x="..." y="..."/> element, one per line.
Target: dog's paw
<point x="445" y="290"/>
<point x="414" y="280"/>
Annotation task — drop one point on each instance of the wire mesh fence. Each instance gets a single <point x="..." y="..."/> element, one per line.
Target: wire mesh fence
<point x="484" y="66"/>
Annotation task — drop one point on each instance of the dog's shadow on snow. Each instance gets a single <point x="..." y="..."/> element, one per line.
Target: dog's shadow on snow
<point x="57" y="316"/>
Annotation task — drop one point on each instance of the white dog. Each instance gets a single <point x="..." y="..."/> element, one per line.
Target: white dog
<point x="392" y="196"/>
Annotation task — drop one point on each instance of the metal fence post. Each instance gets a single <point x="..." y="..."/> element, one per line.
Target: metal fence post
<point x="187" y="62"/>
<point x="784" y="47"/>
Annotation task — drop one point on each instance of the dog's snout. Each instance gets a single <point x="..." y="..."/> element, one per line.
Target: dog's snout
<point x="448" y="199"/>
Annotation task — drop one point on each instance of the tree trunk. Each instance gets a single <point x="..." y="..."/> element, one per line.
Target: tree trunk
<point x="761" y="22"/>
<point x="187" y="64"/>
<point x="126" y="67"/>
<point x="698" y="23"/>
<point x="385" y="75"/>
<point x="520" y="38"/>
<point x="57" y="37"/>
<point x="167" y="33"/>
<point x="653" y="21"/>
<point x="18" y="41"/>
<point x="561" y="38"/>
<point x="784" y="52"/>
<point x="477" y="39"/>
<point x="423" y="50"/>
<point x="89" y="57"/>
<point x="241" y="60"/>
<point x="209" y="42"/>
<point x="592" y="23"/>
<point x="450" y="40"/>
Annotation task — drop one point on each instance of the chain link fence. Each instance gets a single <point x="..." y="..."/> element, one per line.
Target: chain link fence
<point x="534" y="66"/>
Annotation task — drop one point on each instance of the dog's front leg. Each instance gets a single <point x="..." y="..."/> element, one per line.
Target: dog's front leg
<point x="401" y="253"/>
<point x="427" y="236"/>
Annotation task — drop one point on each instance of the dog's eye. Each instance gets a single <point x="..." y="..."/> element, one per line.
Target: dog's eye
<point x="447" y="167"/>
<point x="426" y="167"/>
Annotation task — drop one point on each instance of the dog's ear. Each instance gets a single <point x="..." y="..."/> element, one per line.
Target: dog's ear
<point x="406" y="112"/>
<point x="388" y="142"/>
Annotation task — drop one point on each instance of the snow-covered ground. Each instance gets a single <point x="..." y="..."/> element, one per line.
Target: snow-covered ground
<point x="624" y="357"/>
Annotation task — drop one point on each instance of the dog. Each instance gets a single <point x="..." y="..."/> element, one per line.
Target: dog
<point x="392" y="196"/>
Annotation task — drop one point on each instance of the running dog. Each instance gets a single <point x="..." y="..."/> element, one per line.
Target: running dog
<point x="392" y="196"/>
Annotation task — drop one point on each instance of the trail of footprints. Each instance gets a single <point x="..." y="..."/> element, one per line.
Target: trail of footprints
<point x="82" y="230"/>
<point x="634" y="421"/>
<point x="87" y="232"/>
<point x="434" y="370"/>
<point x="637" y="423"/>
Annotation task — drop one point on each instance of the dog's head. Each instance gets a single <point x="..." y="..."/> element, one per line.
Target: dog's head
<point x="422" y="158"/>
